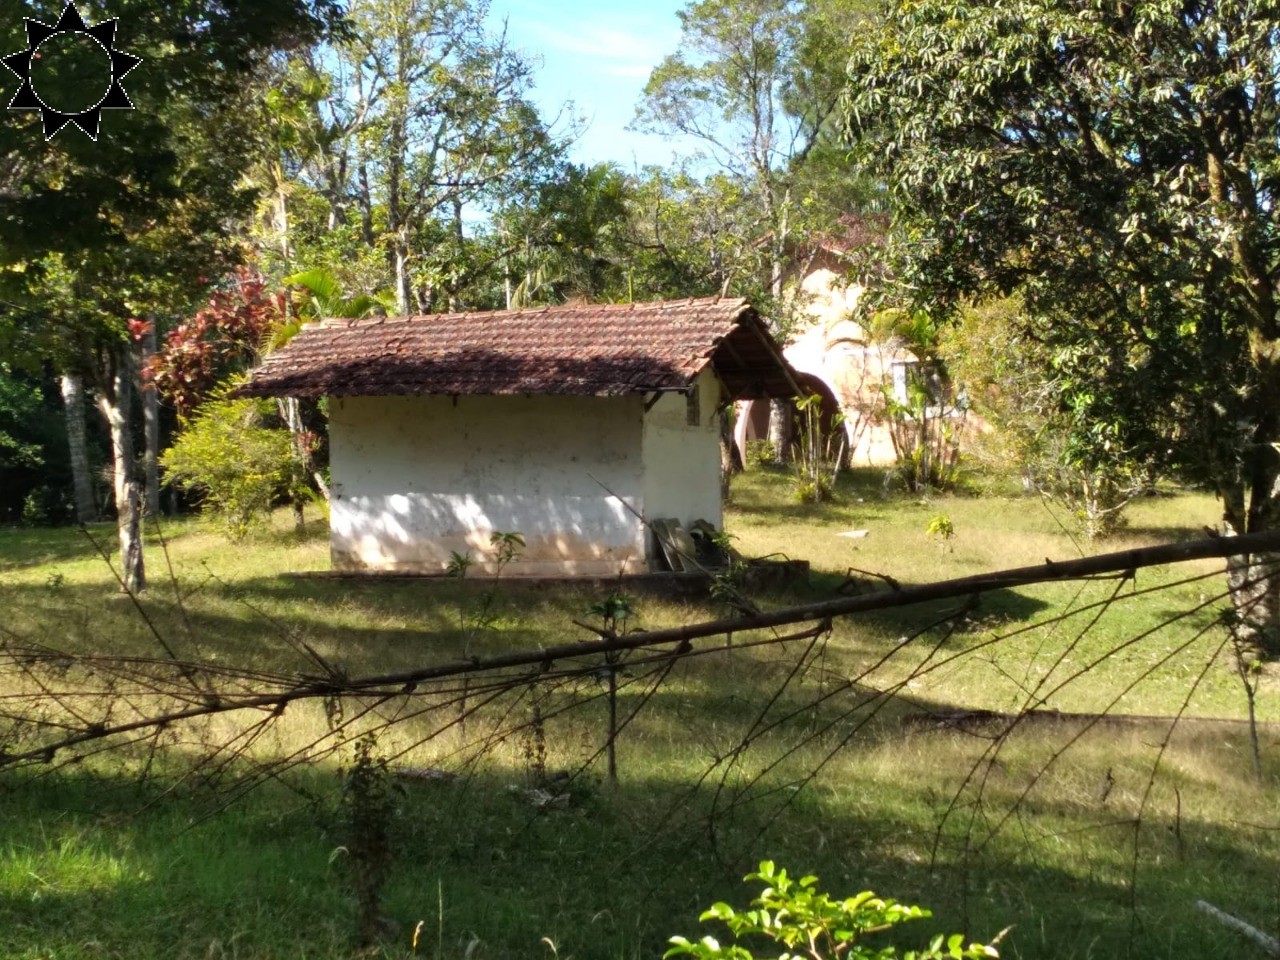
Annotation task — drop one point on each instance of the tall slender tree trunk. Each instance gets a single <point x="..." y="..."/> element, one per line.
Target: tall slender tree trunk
<point x="130" y="525"/>
<point x="364" y="199"/>
<point x="728" y="461"/>
<point x="780" y="433"/>
<point x="150" y="425"/>
<point x="403" y="292"/>
<point x="73" y="409"/>
<point x="780" y="429"/>
<point x="113" y="402"/>
<point x="1253" y="580"/>
<point x="455" y="304"/>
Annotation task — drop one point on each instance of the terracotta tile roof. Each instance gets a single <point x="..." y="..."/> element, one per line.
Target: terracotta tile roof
<point x="585" y="349"/>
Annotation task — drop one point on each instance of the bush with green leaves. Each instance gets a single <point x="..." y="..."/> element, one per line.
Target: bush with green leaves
<point x="238" y="463"/>
<point x="808" y="923"/>
<point x="761" y="453"/>
<point x="819" y="451"/>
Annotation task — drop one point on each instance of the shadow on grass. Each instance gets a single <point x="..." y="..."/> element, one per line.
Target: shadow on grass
<point x="992" y="608"/>
<point x="373" y="626"/>
<point x="614" y="870"/>
<point x="33" y="546"/>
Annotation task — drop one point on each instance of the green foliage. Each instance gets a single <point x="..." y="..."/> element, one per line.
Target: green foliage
<point x="757" y="84"/>
<point x="808" y="922"/>
<point x="761" y="453"/>
<point x="570" y="237"/>
<point x="614" y="611"/>
<point x="34" y="468"/>
<point x="481" y="612"/>
<point x="1064" y="437"/>
<point x="1079" y="152"/>
<point x="820" y="451"/>
<point x="506" y="547"/>
<point x="940" y="527"/>
<point x="459" y="564"/>
<point x="924" y="424"/>
<point x="925" y="437"/>
<point x="438" y="104"/>
<point x="237" y="463"/>
<point x="76" y="196"/>
<point x="320" y="297"/>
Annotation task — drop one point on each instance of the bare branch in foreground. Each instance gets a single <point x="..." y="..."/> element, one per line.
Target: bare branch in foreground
<point x="1267" y="942"/>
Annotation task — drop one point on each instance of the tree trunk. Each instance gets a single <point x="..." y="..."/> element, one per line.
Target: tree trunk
<point x="403" y="292"/>
<point x="780" y="429"/>
<point x="291" y="413"/>
<point x="1253" y="580"/>
<point x="729" y="464"/>
<point x="113" y="402"/>
<point x="150" y="426"/>
<point x="73" y="408"/>
<point x="132" y="569"/>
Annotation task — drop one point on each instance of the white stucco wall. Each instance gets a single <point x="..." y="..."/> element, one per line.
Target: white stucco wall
<point x="414" y="478"/>
<point x="682" y="461"/>
<point x="829" y="345"/>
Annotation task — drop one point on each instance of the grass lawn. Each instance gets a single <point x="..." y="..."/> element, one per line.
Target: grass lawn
<point x="1060" y="830"/>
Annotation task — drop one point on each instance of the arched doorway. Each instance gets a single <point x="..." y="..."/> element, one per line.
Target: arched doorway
<point x="831" y="440"/>
<point x="753" y="420"/>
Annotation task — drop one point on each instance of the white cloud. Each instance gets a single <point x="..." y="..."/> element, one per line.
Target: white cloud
<point x="630" y="48"/>
<point x="597" y="54"/>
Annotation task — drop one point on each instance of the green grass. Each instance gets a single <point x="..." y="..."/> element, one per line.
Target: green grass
<point x="97" y="861"/>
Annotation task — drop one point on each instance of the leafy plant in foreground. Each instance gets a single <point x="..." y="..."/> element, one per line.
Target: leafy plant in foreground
<point x="809" y="923"/>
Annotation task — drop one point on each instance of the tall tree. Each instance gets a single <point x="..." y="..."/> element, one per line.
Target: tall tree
<point x="98" y="233"/>
<point x="1119" y="164"/>
<point x="759" y="83"/>
<point x="73" y="409"/>
<point x="427" y="115"/>
<point x="565" y="237"/>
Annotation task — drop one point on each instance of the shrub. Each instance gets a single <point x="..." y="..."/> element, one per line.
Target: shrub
<point x="235" y="461"/>
<point x="761" y="453"/>
<point x="940" y="527"/>
<point x="808" y="922"/>
<point x="818" y="457"/>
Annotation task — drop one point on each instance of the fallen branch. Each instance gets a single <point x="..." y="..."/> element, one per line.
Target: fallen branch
<point x="1125" y="562"/>
<point x="1268" y="943"/>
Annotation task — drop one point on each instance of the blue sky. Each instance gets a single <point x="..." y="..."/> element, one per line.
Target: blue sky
<point x="597" y="55"/>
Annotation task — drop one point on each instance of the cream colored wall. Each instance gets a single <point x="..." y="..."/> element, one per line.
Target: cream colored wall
<point x="834" y="348"/>
<point x="682" y="462"/>
<point x="414" y="478"/>
<point x="828" y="297"/>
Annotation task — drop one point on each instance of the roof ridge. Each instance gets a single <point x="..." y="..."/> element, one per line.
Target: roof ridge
<point x="569" y="309"/>
<point x="584" y="348"/>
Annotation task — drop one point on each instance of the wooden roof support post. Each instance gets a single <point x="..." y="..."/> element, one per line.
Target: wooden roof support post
<point x="770" y="346"/>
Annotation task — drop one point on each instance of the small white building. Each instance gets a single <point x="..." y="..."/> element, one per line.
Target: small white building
<point x="565" y="424"/>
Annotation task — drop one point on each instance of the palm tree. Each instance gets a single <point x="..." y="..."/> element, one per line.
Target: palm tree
<point x="318" y="298"/>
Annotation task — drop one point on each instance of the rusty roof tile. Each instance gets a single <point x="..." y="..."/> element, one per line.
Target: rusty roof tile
<point x="577" y="349"/>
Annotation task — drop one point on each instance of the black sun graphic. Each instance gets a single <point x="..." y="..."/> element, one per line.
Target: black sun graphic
<point x="70" y="72"/>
